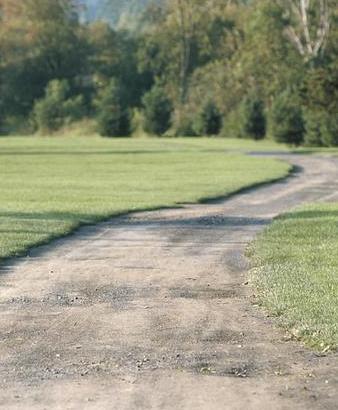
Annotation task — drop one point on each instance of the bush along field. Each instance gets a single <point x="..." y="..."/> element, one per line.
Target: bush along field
<point x="296" y="273"/>
<point x="50" y="186"/>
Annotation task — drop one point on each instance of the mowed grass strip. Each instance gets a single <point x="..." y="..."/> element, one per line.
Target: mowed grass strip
<point x="296" y="273"/>
<point x="49" y="186"/>
<point x="93" y="144"/>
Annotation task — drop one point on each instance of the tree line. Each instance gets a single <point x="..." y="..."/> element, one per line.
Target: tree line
<point x="236" y="68"/>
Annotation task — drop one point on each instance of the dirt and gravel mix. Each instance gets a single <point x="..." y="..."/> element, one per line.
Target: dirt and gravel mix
<point x="153" y="311"/>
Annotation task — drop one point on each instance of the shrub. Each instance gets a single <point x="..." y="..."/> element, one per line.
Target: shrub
<point x="253" y="116"/>
<point x="209" y="120"/>
<point x="73" y="109"/>
<point x="313" y="135"/>
<point x="233" y="125"/>
<point x="113" y="115"/>
<point x="48" y="111"/>
<point x="185" y="128"/>
<point x="158" y="110"/>
<point x="320" y="97"/>
<point x="329" y="130"/>
<point x="321" y="129"/>
<point x="286" y="120"/>
<point x="56" y="108"/>
<point x="183" y="121"/>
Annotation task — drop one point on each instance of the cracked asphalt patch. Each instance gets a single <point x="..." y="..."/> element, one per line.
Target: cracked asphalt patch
<point x="153" y="311"/>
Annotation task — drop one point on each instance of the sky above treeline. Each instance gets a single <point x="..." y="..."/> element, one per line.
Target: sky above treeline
<point x="110" y="10"/>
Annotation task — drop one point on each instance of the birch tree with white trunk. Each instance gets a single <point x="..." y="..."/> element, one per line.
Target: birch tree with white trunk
<point x="308" y="25"/>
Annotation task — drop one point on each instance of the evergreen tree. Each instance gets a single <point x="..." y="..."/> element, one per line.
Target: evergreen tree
<point x="209" y="120"/>
<point x="113" y="116"/>
<point x="286" y="120"/>
<point x="254" y="120"/>
<point x="158" y="110"/>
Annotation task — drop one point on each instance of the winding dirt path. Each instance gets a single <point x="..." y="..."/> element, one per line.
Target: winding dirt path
<point x="151" y="311"/>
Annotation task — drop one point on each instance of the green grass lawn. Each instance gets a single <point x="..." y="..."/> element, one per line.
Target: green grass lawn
<point x="296" y="273"/>
<point x="98" y="144"/>
<point x="50" y="186"/>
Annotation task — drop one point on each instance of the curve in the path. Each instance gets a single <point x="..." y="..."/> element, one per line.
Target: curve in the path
<point x="151" y="311"/>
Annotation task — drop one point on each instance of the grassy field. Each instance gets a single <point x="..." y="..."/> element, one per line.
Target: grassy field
<point x="98" y="144"/>
<point x="296" y="273"/>
<point x="50" y="186"/>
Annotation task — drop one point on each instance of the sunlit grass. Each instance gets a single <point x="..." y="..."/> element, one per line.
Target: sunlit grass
<point x="90" y="143"/>
<point x="50" y="186"/>
<point x="296" y="273"/>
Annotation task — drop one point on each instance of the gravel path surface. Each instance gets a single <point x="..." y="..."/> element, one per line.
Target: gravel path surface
<point x="153" y="311"/>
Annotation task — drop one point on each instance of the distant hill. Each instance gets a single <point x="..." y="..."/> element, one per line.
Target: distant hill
<point x="111" y="10"/>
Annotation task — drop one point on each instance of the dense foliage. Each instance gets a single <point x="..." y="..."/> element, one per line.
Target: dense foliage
<point x="287" y="123"/>
<point x="254" y="121"/>
<point x="157" y="111"/>
<point x="209" y="120"/>
<point x="113" y="116"/>
<point x="56" y="109"/>
<point x="225" y="67"/>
